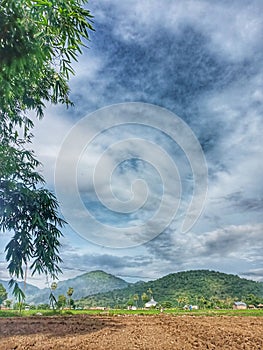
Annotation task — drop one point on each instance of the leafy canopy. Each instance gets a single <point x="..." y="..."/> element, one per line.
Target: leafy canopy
<point x="39" y="40"/>
<point x="3" y="294"/>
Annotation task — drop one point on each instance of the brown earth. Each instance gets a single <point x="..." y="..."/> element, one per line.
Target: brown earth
<point x="131" y="332"/>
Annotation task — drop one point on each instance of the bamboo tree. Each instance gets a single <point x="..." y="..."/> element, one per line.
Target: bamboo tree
<point x="39" y="40"/>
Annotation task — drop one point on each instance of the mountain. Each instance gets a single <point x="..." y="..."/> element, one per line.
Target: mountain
<point x="89" y="283"/>
<point x="195" y="286"/>
<point x="98" y="288"/>
<point x="31" y="290"/>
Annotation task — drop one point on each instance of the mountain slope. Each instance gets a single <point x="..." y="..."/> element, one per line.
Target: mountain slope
<point x="31" y="290"/>
<point x="89" y="283"/>
<point x="189" y="286"/>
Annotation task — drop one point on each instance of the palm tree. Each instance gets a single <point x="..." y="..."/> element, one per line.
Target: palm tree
<point x="136" y="298"/>
<point x="150" y="292"/>
<point x="145" y="298"/>
<point x="52" y="298"/>
<point x="69" y="293"/>
<point x="61" y="301"/>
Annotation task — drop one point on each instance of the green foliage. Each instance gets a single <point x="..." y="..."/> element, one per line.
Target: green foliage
<point x="70" y="292"/>
<point x="8" y="303"/>
<point x="17" y="291"/>
<point x="130" y="302"/>
<point x="39" y="39"/>
<point x="52" y="298"/>
<point x="3" y="294"/>
<point x="43" y="307"/>
<point x="70" y="300"/>
<point x="167" y="304"/>
<point x="207" y="289"/>
<point x="145" y="297"/>
<point x="62" y="300"/>
<point x="136" y="298"/>
<point x="53" y="286"/>
<point x="85" y="284"/>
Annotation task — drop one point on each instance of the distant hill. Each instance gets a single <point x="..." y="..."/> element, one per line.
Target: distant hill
<point x="203" y="287"/>
<point x="194" y="287"/>
<point x="30" y="289"/>
<point x="83" y="285"/>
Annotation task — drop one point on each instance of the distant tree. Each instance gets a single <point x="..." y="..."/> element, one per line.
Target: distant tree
<point x="70" y="293"/>
<point x="3" y="294"/>
<point x="150" y="292"/>
<point x="43" y="306"/>
<point x="252" y="299"/>
<point x="18" y="306"/>
<point x="130" y="302"/>
<point x="8" y="303"/>
<point x="145" y="298"/>
<point x="61" y="302"/>
<point x="215" y="302"/>
<point x="228" y="302"/>
<point x="166" y="304"/>
<point x="182" y="300"/>
<point x="52" y="298"/>
<point x="136" y="298"/>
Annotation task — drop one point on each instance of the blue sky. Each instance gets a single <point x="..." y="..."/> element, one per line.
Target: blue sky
<point x="202" y="61"/>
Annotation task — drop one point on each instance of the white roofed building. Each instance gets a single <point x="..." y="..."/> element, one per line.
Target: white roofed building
<point x="151" y="303"/>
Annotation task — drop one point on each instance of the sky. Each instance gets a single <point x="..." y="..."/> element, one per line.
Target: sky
<point x="158" y="166"/>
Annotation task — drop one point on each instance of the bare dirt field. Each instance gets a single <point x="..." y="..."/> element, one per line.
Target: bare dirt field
<point x="131" y="332"/>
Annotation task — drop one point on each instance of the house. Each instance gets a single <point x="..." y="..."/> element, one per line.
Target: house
<point x="260" y="306"/>
<point x="131" y="307"/>
<point x="239" y="305"/>
<point x="151" y="303"/>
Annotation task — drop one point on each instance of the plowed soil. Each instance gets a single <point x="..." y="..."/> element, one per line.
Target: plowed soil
<point x="131" y="332"/>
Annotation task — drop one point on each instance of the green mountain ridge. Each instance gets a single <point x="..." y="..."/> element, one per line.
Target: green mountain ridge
<point x="194" y="287"/>
<point x="98" y="288"/>
<point x="86" y="284"/>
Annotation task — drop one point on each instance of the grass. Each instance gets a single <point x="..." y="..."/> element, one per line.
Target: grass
<point x="112" y="312"/>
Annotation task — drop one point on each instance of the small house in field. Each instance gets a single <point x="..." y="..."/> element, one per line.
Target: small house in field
<point x="239" y="305"/>
<point x="260" y="306"/>
<point x="151" y="303"/>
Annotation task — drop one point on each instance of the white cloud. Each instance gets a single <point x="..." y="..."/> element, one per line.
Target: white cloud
<point x="233" y="29"/>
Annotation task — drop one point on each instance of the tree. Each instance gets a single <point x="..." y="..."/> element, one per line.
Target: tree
<point x="52" y="298"/>
<point x="3" y="294"/>
<point x="43" y="306"/>
<point x="62" y="300"/>
<point x="70" y="293"/>
<point x="166" y="304"/>
<point x="145" y="298"/>
<point x="8" y="303"/>
<point x="39" y="40"/>
<point x="150" y="292"/>
<point x="130" y="302"/>
<point x="252" y="299"/>
<point x="136" y="298"/>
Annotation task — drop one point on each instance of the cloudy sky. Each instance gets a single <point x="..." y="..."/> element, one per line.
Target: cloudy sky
<point x="126" y="174"/>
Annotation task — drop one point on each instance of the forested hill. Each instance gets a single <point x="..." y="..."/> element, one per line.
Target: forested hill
<point x="85" y="284"/>
<point x="195" y="286"/>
